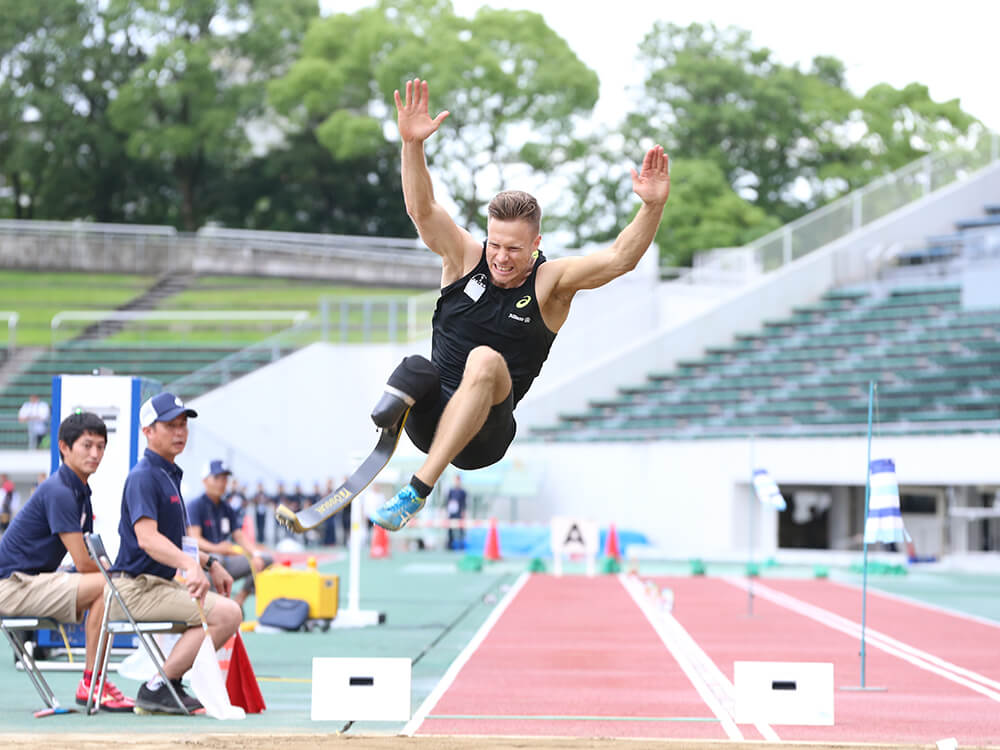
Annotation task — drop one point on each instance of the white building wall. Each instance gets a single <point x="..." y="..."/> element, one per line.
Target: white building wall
<point x="691" y="497"/>
<point x="303" y="418"/>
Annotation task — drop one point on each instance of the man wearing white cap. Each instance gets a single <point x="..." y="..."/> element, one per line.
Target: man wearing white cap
<point x="218" y="529"/>
<point x="152" y="527"/>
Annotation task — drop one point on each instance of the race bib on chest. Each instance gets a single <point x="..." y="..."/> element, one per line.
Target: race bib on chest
<point x="475" y="287"/>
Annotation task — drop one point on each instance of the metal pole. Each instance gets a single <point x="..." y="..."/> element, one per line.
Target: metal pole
<point x="868" y="486"/>
<point x="752" y="508"/>
<point x="324" y="314"/>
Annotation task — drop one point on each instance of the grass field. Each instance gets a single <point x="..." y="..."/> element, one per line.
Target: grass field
<point x="37" y="296"/>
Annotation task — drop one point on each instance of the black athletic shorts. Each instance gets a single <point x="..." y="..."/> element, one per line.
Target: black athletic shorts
<point x="486" y="448"/>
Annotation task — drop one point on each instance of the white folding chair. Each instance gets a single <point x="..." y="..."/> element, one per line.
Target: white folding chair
<point x="143" y="631"/>
<point x="12" y="627"/>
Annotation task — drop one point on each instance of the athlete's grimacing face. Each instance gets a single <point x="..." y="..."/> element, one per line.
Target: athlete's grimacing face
<point x="510" y="251"/>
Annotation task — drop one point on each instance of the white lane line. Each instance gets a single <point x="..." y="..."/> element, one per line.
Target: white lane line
<point x="928" y="662"/>
<point x="456" y="666"/>
<point x="706" y="678"/>
<point x="918" y="603"/>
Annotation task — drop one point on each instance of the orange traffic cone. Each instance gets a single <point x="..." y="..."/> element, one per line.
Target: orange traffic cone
<point x="380" y="543"/>
<point x="611" y="544"/>
<point x="491" y="550"/>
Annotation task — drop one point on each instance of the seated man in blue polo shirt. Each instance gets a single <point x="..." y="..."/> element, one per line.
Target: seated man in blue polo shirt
<point x="218" y="528"/>
<point x="51" y="523"/>
<point x="152" y="528"/>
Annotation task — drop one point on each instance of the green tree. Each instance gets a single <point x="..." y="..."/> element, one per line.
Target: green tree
<point x="722" y="99"/>
<point x="597" y="200"/>
<point x="187" y="108"/>
<point x="511" y="84"/>
<point x="300" y="187"/>
<point x="60" y="64"/>
<point x="704" y="212"/>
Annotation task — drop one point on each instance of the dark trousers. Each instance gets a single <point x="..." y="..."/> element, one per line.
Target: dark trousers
<point x="456" y="537"/>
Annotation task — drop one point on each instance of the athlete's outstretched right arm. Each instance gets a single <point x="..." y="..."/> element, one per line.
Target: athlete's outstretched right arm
<point x="437" y="229"/>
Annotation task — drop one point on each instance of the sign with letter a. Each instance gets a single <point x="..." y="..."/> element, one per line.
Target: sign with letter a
<point x="577" y="539"/>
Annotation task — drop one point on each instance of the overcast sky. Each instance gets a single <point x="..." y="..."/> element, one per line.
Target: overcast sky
<point x="951" y="47"/>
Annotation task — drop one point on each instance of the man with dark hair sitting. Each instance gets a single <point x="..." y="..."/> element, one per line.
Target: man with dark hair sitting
<point x="218" y="528"/>
<point x="51" y="523"/>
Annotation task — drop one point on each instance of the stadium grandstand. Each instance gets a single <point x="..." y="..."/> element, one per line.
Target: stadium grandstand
<point x="663" y="393"/>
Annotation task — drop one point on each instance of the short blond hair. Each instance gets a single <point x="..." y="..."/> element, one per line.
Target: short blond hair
<point x="516" y="205"/>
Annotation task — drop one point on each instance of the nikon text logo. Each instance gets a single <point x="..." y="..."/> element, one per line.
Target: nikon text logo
<point x="523" y="302"/>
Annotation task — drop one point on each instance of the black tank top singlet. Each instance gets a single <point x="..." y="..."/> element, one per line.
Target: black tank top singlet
<point x="474" y="312"/>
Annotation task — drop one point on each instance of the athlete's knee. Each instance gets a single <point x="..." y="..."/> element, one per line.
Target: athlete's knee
<point x="415" y="378"/>
<point x="484" y="362"/>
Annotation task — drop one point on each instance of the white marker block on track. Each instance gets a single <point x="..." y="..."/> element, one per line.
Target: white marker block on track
<point x="789" y="693"/>
<point x="360" y="689"/>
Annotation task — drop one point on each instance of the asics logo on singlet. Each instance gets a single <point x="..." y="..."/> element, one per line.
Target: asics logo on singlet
<point x="523" y="302"/>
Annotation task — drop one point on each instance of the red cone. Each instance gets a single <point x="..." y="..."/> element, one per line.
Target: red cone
<point x="241" y="682"/>
<point x="491" y="551"/>
<point x="380" y="543"/>
<point x="611" y="544"/>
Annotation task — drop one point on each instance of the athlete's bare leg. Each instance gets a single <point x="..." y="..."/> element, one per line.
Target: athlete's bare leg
<point x="485" y="383"/>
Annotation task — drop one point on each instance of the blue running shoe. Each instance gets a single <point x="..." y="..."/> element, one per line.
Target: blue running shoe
<point x="403" y="506"/>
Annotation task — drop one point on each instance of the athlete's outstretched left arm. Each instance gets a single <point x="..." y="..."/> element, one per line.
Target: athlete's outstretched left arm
<point x="652" y="185"/>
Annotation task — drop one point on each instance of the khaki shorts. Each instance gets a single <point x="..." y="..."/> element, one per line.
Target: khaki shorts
<point x="42" y="595"/>
<point x="154" y="599"/>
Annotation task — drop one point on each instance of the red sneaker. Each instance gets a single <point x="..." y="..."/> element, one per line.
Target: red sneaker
<point x="113" y="699"/>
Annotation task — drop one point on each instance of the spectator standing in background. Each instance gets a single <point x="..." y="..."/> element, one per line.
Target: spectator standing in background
<point x="331" y="523"/>
<point x="10" y="501"/>
<point x="236" y="498"/>
<point x="261" y="509"/>
<point x="6" y="503"/>
<point x="345" y="520"/>
<point x="35" y="414"/>
<point x="456" y="512"/>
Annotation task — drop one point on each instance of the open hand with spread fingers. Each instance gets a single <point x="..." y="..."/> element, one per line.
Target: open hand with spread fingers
<point x="412" y="116"/>
<point x="652" y="182"/>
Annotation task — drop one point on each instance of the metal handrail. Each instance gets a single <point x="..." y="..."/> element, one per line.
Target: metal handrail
<point x="296" y="316"/>
<point x="922" y="173"/>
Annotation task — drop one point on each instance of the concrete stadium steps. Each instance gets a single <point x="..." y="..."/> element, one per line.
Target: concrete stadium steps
<point x="936" y="366"/>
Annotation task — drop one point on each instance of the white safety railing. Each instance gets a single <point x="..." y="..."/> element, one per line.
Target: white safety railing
<point x="875" y="200"/>
<point x="295" y="317"/>
<point x="376" y="319"/>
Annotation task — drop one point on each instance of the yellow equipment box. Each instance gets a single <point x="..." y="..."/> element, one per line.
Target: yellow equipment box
<point x="321" y="591"/>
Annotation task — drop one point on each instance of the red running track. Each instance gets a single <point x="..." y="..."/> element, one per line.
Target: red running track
<point x="918" y="706"/>
<point x="964" y="641"/>
<point x="572" y="647"/>
<point x="580" y="647"/>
